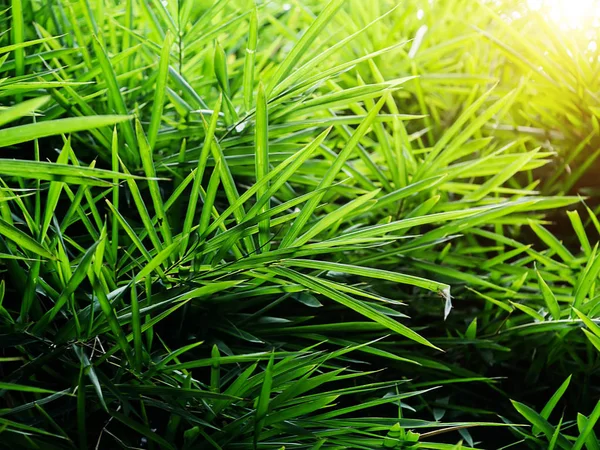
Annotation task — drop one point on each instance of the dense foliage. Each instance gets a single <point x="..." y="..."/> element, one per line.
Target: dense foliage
<point x="346" y="224"/>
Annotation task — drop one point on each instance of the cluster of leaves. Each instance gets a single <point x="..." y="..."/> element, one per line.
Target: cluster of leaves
<point x="217" y="217"/>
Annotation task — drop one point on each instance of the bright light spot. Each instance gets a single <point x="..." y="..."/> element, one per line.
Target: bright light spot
<point x="569" y="14"/>
<point x="417" y="41"/>
<point x="287" y="7"/>
<point x="420" y="14"/>
<point x="535" y="5"/>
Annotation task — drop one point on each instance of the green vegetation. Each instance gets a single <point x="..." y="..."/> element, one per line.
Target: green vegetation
<point x="315" y="225"/>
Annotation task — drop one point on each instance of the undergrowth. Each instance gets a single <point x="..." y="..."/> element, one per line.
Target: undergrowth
<point x="306" y="225"/>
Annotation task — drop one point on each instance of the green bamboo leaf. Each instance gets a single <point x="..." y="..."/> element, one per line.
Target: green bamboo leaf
<point x="340" y="214"/>
<point x="529" y="311"/>
<point x="580" y="231"/>
<point x="221" y="73"/>
<point x="22" y="109"/>
<point x="588" y="430"/>
<point x="148" y="164"/>
<point x="136" y="325"/>
<point x="54" y="192"/>
<point x="331" y="173"/>
<point x="394" y="197"/>
<point x="15" y="47"/>
<point x="340" y="99"/>
<point x="492" y="300"/>
<point x="453" y="138"/>
<point x="160" y="91"/>
<point x="78" y="276"/>
<point x="111" y="318"/>
<point x="114" y="93"/>
<point x="552" y="242"/>
<point x="29" y="132"/>
<point x="175" y="354"/>
<point x="588" y="278"/>
<point x="280" y="175"/>
<point x="190" y="94"/>
<point x="471" y="332"/>
<point x="302" y="73"/>
<point x="195" y="193"/>
<point x="554" y="440"/>
<point x="501" y="177"/>
<point x="261" y="143"/>
<point x="220" y="63"/>
<point x="180" y="301"/>
<point x="24" y="241"/>
<point x="551" y="404"/>
<point x="595" y="329"/>
<point x="300" y="48"/>
<point x="358" y="306"/>
<point x="209" y="199"/>
<point x="156" y="262"/>
<point x="369" y="404"/>
<point x="231" y="192"/>
<point x="303" y="409"/>
<point x="173" y="392"/>
<point x="591" y="442"/>
<point x="22" y="388"/>
<point x="541" y="423"/>
<point x="215" y="370"/>
<point x="549" y="297"/>
<point x="142" y="211"/>
<point x="88" y="369"/>
<point x="262" y="402"/>
<point x="595" y="340"/>
<point x="10" y="425"/>
<point x="250" y="58"/>
<point x="18" y="37"/>
<point x="133" y="236"/>
<point x="370" y="273"/>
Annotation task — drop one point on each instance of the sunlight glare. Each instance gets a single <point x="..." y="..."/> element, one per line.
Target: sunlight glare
<point x="568" y="13"/>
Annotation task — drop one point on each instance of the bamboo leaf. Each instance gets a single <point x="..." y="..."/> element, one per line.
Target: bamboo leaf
<point x="29" y="132"/>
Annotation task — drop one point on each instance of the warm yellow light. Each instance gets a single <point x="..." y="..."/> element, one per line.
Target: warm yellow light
<point x="568" y="13"/>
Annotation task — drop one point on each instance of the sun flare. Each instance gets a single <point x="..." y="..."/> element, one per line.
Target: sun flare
<point x="568" y="13"/>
